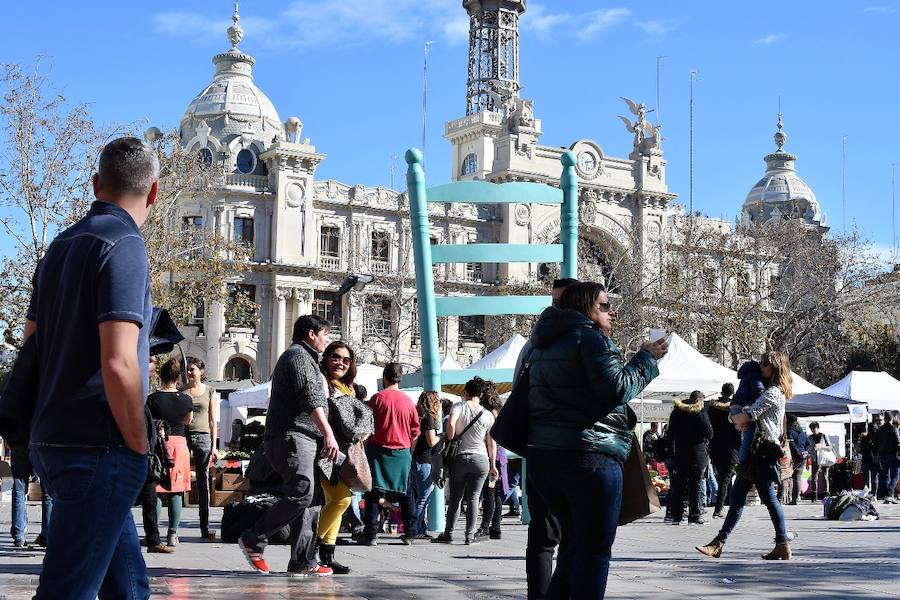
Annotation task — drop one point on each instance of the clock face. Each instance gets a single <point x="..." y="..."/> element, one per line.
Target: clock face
<point x="587" y="162"/>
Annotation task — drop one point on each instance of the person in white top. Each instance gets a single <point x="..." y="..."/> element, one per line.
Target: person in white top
<point x="475" y="459"/>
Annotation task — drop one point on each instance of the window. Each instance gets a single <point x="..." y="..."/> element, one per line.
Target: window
<point x="380" y="251"/>
<point x="328" y="306"/>
<point x="469" y="164"/>
<point x="743" y="284"/>
<point x="192" y="222"/>
<point x="243" y="230"/>
<point x="377" y="314"/>
<point x="198" y="317"/>
<point x="241" y="310"/>
<point x="474" y="272"/>
<point x="205" y="157"/>
<point x="237" y="368"/>
<point x="330" y="241"/>
<point x="471" y="329"/>
<point x="246" y="161"/>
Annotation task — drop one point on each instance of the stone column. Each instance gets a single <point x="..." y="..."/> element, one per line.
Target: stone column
<point x="277" y="332"/>
<point x="215" y="327"/>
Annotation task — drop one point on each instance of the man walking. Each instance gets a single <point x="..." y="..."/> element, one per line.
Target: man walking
<point x="887" y="445"/>
<point x="296" y="422"/>
<point x="90" y="312"/>
<point x="396" y="431"/>
<point x="798" y="441"/>
<point x="723" y="447"/>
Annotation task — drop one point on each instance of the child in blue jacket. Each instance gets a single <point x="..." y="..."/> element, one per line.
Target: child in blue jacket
<point x="749" y="390"/>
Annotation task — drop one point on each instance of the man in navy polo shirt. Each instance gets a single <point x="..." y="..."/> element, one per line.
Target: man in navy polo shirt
<point x="90" y="312"/>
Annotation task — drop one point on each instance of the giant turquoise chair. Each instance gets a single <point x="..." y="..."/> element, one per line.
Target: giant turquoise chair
<point x="431" y="306"/>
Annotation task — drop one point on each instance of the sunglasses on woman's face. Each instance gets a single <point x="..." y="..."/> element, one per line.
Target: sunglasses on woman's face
<point x="342" y="359"/>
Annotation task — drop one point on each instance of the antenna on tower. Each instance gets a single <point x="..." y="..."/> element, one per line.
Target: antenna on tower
<point x="894" y="256"/>
<point x="658" y="64"/>
<point x="844" y="182"/>
<point x="424" y="101"/>
<point x="691" y="161"/>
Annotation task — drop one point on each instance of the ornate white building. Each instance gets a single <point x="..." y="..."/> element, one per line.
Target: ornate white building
<point x="308" y="235"/>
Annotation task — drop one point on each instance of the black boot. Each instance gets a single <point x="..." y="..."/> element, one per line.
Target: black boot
<point x="326" y="557"/>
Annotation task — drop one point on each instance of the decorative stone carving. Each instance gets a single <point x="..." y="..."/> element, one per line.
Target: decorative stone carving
<point x="203" y="133"/>
<point x="522" y="213"/>
<point x="295" y="193"/>
<point x="587" y="212"/>
<point x="653" y="231"/>
<point x="293" y="127"/>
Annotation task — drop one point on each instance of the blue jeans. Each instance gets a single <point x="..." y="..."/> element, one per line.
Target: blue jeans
<point x="746" y="442"/>
<point x="92" y="544"/>
<point x="890" y="472"/>
<point x="418" y="493"/>
<point x="21" y="472"/>
<point x="583" y="491"/>
<point x="709" y="488"/>
<point x="739" y="491"/>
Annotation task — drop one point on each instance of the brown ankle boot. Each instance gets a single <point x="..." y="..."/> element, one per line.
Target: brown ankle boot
<point x="780" y="552"/>
<point x="713" y="549"/>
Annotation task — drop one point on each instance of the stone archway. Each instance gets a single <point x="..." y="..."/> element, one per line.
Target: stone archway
<point x="237" y="368"/>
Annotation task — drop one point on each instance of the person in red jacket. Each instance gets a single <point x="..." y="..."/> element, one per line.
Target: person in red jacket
<point x="396" y="431"/>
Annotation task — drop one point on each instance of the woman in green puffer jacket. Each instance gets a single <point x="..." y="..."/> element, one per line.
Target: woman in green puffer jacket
<point x="580" y="430"/>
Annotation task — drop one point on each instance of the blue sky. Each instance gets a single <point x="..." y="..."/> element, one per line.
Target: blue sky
<point x="352" y="71"/>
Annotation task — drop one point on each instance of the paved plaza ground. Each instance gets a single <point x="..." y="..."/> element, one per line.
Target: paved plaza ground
<point x="651" y="559"/>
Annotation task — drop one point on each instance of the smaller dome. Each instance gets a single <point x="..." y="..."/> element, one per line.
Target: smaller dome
<point x="781" y="193"/>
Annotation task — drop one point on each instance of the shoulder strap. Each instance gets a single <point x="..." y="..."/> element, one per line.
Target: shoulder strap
<point x="472" y="422"/>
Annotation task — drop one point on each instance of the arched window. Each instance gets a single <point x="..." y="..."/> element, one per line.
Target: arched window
<point x="246" y="161"/>
<point x="205" y="156"/>
<point x="470" y="164"/>
<point x="237" y="368"/>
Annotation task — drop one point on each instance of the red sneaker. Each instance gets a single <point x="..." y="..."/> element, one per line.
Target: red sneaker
<point x="254" y="557"/>
<point x="316" y="571"/>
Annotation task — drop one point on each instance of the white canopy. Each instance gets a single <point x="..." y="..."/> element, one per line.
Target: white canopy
<point x="256" y="396"/>
<point x="876" y="388"/>
<point x="368" y="375"/>
<point x="684" y="369"/>
<point x="802" y="386"/>
<point x="504" y="357"/>
<point x="448" y="364"/>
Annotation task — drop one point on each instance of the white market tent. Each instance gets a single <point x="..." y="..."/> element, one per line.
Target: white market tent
<point x="802" y="386"/>
<point x="504" y="357"/>
<point x="876" y="389"/>
<point x="448" y="364"/>
<point x="684" y="369"/>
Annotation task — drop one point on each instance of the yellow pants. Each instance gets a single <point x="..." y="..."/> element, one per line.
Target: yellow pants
<point x="337" y="499"/>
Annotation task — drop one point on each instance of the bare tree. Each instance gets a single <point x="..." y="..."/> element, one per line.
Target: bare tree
<point x="45" y="178"/>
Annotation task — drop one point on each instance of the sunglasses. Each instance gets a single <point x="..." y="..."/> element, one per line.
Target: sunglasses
<point x="343" y="359"/>
<point x="605" y="306"/>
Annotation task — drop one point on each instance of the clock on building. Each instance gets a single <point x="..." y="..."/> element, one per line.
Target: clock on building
<point x="587" y="162"/>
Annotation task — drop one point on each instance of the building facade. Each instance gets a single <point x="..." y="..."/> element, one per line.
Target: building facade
<point x="308" y="235"/>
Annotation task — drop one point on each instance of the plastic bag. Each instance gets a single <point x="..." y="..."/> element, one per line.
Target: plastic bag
<point x="825" y="457"/>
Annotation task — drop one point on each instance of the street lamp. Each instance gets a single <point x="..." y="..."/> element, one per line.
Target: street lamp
<point x="353" y="281"/>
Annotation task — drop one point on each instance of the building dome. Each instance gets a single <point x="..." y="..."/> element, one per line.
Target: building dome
<point x="781" y="193"/>
<point x="231" y="114"/>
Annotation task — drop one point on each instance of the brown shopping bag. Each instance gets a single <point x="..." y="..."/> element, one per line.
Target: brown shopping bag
<point x="639" y="497"/>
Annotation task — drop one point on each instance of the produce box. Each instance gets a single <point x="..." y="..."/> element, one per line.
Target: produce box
<point x="223" y="497"/>
<point x="233" y="481"/>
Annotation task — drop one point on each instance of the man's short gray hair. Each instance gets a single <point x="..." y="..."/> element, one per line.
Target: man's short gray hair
<point x="128" y="167"/>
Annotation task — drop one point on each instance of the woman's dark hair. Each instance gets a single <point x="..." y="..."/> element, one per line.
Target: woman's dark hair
<point x="478" y="387"/>
<point x="350" y="375"/>
<point x="490" y="398"/>
<point x="193" y="360"/>
<point x="728" y="389"/>
<point x="170" y="371"/>
<point x="307" y="323"/>
<point x="814" y="425"/>
<point x="581" y="296"/>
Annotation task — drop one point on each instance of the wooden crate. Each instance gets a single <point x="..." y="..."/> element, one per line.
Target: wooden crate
<point x="223" y="497"/>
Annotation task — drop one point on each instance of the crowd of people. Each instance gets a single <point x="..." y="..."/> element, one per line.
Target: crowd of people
<point x="94" y="429"/>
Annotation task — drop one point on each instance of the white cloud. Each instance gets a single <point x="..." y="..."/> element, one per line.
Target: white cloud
<point x="456" y="30"/>
<point x="883" y="9"/>
<point x="600" y="21"/>
<point x="542" y="23"/>
<point x="657" y="28"/>
<point x="199" y="27"/>
<point x="769" y="39"/>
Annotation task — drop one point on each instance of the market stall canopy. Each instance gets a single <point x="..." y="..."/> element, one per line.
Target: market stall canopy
<point x="802" y="386"/>
<point x="448" y="364"/>
<point x="504" y="357"/>
<point x="369" y="376"/>
<point x="684" y="369"/>
<point x="256" y="396"/>
<point x="875" y="388"/>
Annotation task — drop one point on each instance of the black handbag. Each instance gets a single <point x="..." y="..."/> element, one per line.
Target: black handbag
<point x="160" y="460"/>
<point x="451" y="449"/>
<point x="18" y="400"/>
<point x="510" y="428"/>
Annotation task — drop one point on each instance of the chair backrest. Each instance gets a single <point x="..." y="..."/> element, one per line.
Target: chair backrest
<point x="480" y="192"/>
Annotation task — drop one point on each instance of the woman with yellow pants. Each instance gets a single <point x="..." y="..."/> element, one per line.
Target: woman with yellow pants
<point x="351" y="420"/>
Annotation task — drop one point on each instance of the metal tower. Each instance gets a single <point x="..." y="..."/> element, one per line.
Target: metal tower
<point x="493" y="54"/>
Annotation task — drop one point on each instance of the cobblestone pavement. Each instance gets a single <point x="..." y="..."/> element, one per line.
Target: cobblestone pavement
<point x="857" y="560"/>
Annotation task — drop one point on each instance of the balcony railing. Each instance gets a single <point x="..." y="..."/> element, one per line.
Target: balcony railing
<point x="258" y="183"/>
<point x="330" y="262"/>
<point x="379" y="267"/>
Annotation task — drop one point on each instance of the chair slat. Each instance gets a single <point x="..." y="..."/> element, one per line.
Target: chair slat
<point x="490" y="305"/>
<point x="496" y="253"/>
<point x="483" y="192"/>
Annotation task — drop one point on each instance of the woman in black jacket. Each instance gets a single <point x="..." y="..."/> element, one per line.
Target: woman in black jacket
<point x="580" y="430"/>
<point x="690" y="430"/>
